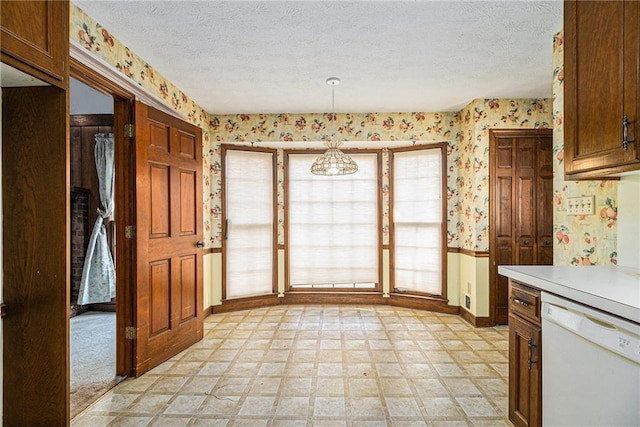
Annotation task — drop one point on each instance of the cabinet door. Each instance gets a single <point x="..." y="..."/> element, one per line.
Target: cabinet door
<point x="525" y="373"/>
<point x="602" y="40"/>
<point x="35" y="38"/>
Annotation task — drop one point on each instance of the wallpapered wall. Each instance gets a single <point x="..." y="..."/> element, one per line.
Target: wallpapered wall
<point x="579" y="240"/>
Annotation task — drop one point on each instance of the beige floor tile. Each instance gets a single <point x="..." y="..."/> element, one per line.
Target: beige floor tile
<point x="296" y="386"/>
<point x="429" y="387"/>
<point x="402" y="407"/>
<point x="314" y="365"/>
<point x="132" y="421"/>
<point x="293" y="406"/>
<point x="477" y="407"/>
<point x="150" y="404"/>
<point x="169" y="421"/>
<point x="93" y="420"/>
<point x="114" y="402"/>
<point x="366" y="407"/>
<point x="185" y="405"/>
<point x="330" y="386"/>
<point x="395" y="387"/>
<point x="363" y="387"/>
<point x="441" y="407"/>
<point x="329" y="407"/>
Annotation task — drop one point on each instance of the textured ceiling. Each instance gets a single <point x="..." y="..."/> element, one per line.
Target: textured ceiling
<point x="271" y="57"/>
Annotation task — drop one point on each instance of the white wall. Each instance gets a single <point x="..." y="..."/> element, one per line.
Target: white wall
<point x="629" y="221"/>
<point x="86" y="100"/>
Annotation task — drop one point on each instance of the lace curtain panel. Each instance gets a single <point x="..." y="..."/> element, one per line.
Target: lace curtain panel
<point x="98" y="283"/>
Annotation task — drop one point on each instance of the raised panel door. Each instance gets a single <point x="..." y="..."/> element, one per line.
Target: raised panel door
<point x="169" y="297"/>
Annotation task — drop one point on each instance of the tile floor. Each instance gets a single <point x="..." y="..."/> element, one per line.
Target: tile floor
<point x="322" y="366"/>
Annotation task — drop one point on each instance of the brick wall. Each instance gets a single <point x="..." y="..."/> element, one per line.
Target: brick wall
<point x="80" y="233"/>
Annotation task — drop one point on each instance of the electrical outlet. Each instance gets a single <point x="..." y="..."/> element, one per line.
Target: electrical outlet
<point x="467" y="301"/>
<point x="581" y="205"/>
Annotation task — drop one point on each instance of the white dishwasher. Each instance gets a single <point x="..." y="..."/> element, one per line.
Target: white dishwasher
<point x="590" y="366"/>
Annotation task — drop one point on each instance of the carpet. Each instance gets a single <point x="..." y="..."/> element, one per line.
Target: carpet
<point x="92" y="357"/>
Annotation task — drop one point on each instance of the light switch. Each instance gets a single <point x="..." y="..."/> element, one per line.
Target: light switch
<point x="581" y="205"/>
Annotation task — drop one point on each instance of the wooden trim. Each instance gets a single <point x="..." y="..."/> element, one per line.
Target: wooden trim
<point x="443" y="229"/>
<point x="212" y="251"/>
<point x="3" y="310"/>
<point x="280" y="247"/>
<point x="96" y="80"/>
<point x="247" y="303"/>
<point x="91" y="120"/>
<point x="469" y="252"/>
<point x="295" y="297"/>
<point x="438" y="305"/>
<point x="92" y="70"/>
<point x="274" y="170"/>
<point x="207" y="312"/>
<point x="478" y="322"/>
<point x="124" y="200"/>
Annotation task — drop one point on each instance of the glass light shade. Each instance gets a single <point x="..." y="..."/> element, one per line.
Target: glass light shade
<point x="334" y="162"/>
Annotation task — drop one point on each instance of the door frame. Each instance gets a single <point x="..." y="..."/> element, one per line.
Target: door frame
<point x="493" y="206"/>
<point x="124" y="208"/>
<point x="87" y="68"/>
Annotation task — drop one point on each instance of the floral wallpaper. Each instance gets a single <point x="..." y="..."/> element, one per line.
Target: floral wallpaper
<point x="259" y="128"/>
<point x="579" y="239"/>
<point x="466" y="133"/>
<point x="472" y="161"/>
<point x="98" y="40"/>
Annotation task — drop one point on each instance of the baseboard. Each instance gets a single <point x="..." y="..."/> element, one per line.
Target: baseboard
<point x="246" y="303"/>
<point x="207" y="312"/>
<point x="478" y="322"/>
<point x="422" y="303"/>
<point x="332" y="298"/>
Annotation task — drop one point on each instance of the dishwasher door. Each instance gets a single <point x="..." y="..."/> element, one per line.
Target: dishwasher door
<point x="590" y="367"/>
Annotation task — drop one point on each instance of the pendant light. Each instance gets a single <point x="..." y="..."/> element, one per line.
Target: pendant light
<point x="333" y="161"/>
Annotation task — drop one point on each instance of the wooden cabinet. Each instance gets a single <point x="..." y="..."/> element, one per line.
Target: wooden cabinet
<point x="525" y="361"/>
<point x="35" y="38"/>
<point x="601" y="89"/>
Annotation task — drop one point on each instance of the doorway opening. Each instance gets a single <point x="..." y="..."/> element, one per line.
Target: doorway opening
<point x="92" y="324"/>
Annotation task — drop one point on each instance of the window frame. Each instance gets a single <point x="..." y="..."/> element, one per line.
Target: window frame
<point x="223" y="180"/>
<point x="443" y="240"/>
<point x="287" y="267"/>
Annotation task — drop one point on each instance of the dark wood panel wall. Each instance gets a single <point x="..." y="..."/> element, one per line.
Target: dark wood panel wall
<point x="35" y="200"/>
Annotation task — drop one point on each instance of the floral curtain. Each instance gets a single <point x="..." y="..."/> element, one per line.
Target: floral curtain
<point x="98" y="282"/>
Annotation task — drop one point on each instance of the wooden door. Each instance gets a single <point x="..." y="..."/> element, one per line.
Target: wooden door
<point x="35" y="200"/>
<point x="521" y="192"/>
<point x="168" y="300"/>
<point x="525" y="373"/>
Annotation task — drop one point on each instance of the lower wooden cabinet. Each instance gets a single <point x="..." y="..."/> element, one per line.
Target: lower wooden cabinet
<point x="525" y="371"/>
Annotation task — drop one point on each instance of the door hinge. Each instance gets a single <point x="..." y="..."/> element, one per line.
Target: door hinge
<point x="130" y="232"/>
<point x="129" y="130"/>
<point x="131" y="332"/>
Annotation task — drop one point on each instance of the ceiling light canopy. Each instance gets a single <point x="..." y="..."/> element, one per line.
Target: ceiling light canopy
<point x="333" y="161"/>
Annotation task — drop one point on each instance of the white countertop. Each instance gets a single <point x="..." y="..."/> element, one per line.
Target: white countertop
<point x="612" y="289"/>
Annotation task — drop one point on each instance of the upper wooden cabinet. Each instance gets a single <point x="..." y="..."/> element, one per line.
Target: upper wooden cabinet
<point x="602" y="40"/>
<point x="35" y="38"/>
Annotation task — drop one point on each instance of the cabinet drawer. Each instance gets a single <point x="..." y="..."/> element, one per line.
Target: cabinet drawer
<point x="524" y="301"/>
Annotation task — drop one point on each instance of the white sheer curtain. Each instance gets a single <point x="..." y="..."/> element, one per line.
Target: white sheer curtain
<point x="98" y="282"/>
<point x="417" y="220"/>
<point x="333" y="223"/>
